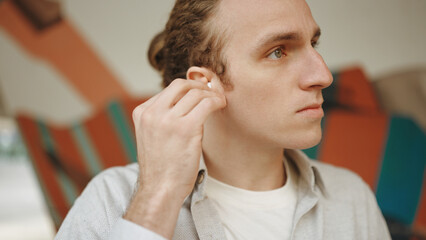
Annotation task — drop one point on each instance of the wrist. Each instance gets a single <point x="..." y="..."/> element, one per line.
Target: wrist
<point x="155" y="210"/>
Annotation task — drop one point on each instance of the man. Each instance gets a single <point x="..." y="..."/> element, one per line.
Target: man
<point x="251" y="97"/>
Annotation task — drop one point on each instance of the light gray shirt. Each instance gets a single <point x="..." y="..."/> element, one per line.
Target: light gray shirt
<point x="333" y="203"/>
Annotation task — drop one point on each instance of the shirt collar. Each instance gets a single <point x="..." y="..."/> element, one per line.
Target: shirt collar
<point x="306" y="170"/>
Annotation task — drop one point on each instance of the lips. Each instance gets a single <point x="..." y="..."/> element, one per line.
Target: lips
<point x="312" y="111"/>
<point x="311" y="106"/>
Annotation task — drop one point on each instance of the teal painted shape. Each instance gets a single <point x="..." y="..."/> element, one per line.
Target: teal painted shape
<point x="121" y="123"/>
<point x="312" y="152"/>
<point x="403" y="168"/>
<point x="67" y="187"/>
<point x="45" y="136"/>
<point x="86" y="148"/>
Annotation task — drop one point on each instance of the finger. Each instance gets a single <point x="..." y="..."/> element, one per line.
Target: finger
<point x="204" y="108"/>
<point x="191" y="99"/>
<point x="137" y="111"/>
<point x="176" y="90"/>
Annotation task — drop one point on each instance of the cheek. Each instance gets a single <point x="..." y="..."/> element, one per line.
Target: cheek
<point x="259" y="101"/>
<point x="265" y="109"/>
<point x="260" y="89"/>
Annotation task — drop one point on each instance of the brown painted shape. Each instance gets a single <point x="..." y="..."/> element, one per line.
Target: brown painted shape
<point x="67" y="51"/>
<point x="356" y="142"/>
<point x="42" y="13"/>
<point x="105" y="140"/>
<point x="45" y="171"/>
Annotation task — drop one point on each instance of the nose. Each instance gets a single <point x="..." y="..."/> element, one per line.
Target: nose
<point x="317" y="75"/>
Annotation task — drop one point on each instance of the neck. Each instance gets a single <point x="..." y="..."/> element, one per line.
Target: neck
<point x="240" y="161"/>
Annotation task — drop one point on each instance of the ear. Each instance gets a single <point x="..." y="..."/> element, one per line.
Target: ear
<point x="205" y="75"/>
<point x="198" y="74"/>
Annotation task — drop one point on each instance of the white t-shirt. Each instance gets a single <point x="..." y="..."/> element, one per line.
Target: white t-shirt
<point x="255" y="214"/>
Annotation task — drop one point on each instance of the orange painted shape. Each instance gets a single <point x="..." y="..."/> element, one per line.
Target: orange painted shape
<point x="45" y="171"/>
<point x="356" y="142"/>
<point x="63" y="47"/>
<point x="105" y="140"/>
<point x="355" y="90"/>
<point x="420" y="221"/>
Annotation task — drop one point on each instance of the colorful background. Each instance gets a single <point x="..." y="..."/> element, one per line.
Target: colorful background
<point x="71" y="71"/>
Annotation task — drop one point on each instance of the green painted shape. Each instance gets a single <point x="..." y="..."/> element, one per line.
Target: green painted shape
<point x="123" y="130"/>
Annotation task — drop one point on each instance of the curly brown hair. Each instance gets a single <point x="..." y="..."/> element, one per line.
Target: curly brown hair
<point x="191" y="38"/>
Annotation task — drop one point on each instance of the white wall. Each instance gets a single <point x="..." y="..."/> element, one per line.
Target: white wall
<point x="120" y="32"/>
<point x="380" y="35"/>
<point x="33" y="86"/>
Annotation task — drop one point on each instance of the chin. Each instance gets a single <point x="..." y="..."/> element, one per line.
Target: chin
<point x="310" y="143"/>
<point x="304" y="141"/>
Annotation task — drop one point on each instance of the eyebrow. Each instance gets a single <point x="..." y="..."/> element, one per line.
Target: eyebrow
<point x="287" y="36"/>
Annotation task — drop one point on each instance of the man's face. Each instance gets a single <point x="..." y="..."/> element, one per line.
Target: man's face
<point x="275" y="72"/>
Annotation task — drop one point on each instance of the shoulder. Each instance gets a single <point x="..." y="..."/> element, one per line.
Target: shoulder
<point x="341" y="182"/>
<point x="120" y="180"/>
<point x="101" y="204"/>
<point x="119" y="174"/>
<point x="350" y="203"/>
<point x="112" y="187"/>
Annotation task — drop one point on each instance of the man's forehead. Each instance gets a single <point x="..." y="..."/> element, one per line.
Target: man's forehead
<point x="254" y="19"/>
<point x="251" y="9"/>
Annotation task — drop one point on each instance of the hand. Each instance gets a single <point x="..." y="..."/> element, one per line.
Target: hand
<point x="169" y="130"/>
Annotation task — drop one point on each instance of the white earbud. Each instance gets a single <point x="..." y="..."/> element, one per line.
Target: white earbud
<point x="209" y="84"/>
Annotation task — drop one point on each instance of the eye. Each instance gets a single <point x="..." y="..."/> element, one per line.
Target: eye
<point x="314" y="44"/>
<point x="276" y="54"/>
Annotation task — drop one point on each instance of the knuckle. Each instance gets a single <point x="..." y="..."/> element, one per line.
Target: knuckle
<point x="146" y="118"/>
<point x="179" y="82"/>
<point x="136" y="113"/>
